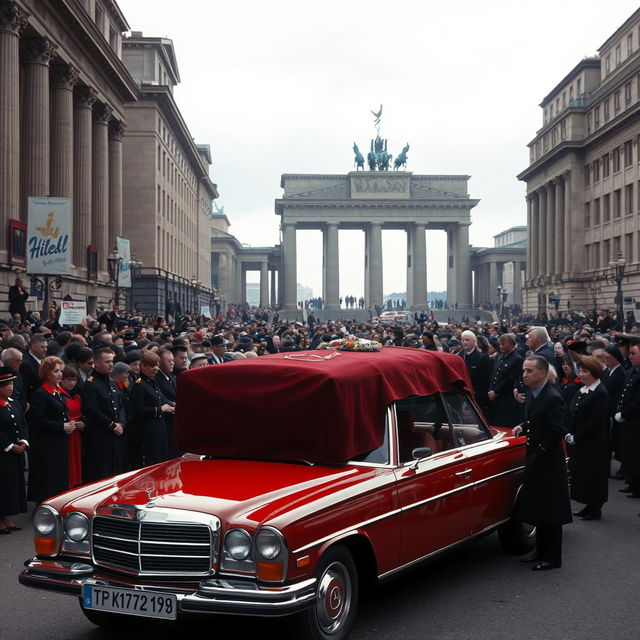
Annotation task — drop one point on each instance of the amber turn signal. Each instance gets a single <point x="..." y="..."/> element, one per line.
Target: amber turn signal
<point x="270" y="571"/>
<point x="46" y="546"/>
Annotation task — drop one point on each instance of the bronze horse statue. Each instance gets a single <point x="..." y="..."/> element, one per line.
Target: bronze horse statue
<point x="401" y="159"/>
<point x="359" y="158"/>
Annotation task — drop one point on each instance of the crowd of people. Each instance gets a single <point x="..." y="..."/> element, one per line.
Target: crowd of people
<point x="82" y="403"/>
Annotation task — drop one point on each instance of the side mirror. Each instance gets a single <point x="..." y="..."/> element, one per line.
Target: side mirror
<point x="420" y="453"/>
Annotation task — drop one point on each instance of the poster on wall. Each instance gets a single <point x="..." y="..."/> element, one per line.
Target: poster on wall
<point x="49" y="236"/>
<point x="124" y="251"/>
<point x="72" y="312"/>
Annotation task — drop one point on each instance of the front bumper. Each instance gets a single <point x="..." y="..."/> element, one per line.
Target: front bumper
<point x="212" y="595"/>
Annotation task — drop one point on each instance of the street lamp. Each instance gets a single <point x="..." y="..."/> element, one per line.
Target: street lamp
<point x="619" y="266"/>
<point x="114" y="261"/>
<point x="136" y="272"/>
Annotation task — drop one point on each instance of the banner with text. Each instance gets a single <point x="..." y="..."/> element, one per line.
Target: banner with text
<point x="124" y="251"/>
<point x="49" y="236"/>
<point x="73" y="312"/>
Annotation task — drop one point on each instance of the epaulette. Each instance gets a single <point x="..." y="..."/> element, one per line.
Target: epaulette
<point x="90" y="379"/>
<point x="138" y="380"/>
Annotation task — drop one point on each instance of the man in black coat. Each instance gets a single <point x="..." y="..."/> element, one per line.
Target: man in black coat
<point x="504" y="409"/>
<point x="540" y="344"/>
<point x="167" y="382"/>
<point x="30" y="367"/>
<point x="18" y="296"/>
<point x="628" y="417"/>
<point x="613" y="379"/>
<point x="104" y="441"/>
<point x="544" y="498"/>
<point x="478" y="366"/>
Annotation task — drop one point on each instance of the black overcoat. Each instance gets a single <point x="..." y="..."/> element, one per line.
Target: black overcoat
<point x="589" y="456"/>
<point x="30" y="371"/>
<point x="629" y="407"/>
<point x="49" y="449"/>
<point x="13" y="428"/>
<point x="105" y="452"/>
<point x="167" y="384"/>
<point x="145" y="402"/>
<point x="479" y="366"/>
<point x="505" y="410"/>
<point x="544" y="498"/>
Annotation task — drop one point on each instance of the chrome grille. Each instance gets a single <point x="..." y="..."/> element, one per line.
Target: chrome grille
<point x="152" y="547"/>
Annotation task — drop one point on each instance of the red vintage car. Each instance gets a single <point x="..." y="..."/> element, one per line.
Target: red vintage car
<point x="311" y="476"/>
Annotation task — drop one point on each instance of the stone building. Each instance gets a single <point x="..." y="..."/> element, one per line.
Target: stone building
<point x="583" y="181"/>
<point x="63" y="87"/>
<point x="167" y="190"/>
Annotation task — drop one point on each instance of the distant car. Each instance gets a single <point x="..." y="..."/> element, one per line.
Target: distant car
<point x="312" y="476"/>
<point x="392" y="317"/>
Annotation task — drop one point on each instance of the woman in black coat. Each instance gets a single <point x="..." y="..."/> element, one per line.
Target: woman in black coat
<point x="13" y="443"/>
<point x="589" y="453"/>
<point x="49" y="429"/>
<point x="570" y="382"/>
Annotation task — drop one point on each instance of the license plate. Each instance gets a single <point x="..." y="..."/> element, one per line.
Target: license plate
<point x="149" y="604"/>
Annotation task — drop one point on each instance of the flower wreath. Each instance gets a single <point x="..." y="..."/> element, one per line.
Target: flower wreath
<point x="352" y="344"/>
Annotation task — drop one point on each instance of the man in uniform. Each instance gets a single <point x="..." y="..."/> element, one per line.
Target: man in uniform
<point x="544" y="498"/>
<point x="105" y="445"/>
<point x="504" y="409"/>
<point x="167" y="382"/>
<point x="628" y="417"/>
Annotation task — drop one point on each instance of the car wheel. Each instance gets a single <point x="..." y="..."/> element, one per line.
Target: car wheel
<point x="108" y="620"/>
<point x="516" y="536"/>
<point x="334" y="609"/>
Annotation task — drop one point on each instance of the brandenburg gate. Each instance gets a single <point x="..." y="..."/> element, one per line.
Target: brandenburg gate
<point x="373" y="201"/>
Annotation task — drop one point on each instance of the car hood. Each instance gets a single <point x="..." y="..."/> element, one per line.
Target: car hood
<point x="239" y="491"/>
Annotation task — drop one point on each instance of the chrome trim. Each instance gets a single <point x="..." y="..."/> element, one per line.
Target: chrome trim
<point x="466" y="472"/>
<point x="354" y="528"/>
<point x="382" y="576"/>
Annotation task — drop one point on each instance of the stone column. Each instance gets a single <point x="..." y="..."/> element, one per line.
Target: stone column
<point x="100" y="191"/>
<point x="289" y="293"/>
<point x="532" y="239"/>
<point x="332" y="266"/>
<point x="274" y="275"/>
<point x="516" y="296"/>
<point x="551" y="228"/>
<point x="529" y="199"/>
<point x="542" y="232"/>
<point x="476" y="289"/>
<point x="374" y="263"/>
<point x="493" y="283"/>
<point x="367" y="273"/>
<point x="84" y="98"/>
<point x="34" y="119"/>
<point x="116" y="131"/>
<point x="264" y="284"/>
<point x="409" y="297"/>
<point x="243" y="283"/>
<point x="452" y="242"/>
<point x="63" y="79"/>
<point x="12" y="22"/>
<point x="559" y="232"/>
<point x="567" y="222"/>
<point x="463" y="268"/>
<point x="419" y="267"/>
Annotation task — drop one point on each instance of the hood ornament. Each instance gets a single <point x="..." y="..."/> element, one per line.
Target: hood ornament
<point x="149" y="491"/>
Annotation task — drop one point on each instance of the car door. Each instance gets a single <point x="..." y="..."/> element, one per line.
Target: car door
<point x="432" y="492"/>
<point x="495" y="466"/>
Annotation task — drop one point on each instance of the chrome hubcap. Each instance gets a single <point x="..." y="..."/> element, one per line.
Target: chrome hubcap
<point x="334" y="597"/>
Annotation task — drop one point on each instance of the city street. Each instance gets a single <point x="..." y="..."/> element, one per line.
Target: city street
<point x="475" y="592"/>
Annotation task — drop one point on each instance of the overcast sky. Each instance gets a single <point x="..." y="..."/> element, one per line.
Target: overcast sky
<point x="287" y="86"/>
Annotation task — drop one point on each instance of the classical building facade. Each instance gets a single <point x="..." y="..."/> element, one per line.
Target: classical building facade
<point x="167" y="190"/>
<point x="502" y="265"/>
<point x="583" y="181"/>
<point x="63" y="88"/>
<point x="371" y="202"/>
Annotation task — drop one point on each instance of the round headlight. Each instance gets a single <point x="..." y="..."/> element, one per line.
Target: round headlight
<point x="268" y="544"/>
<point x="45" y="521"/>
<point x="76" y="526"/>
<point x="237" y="544"/>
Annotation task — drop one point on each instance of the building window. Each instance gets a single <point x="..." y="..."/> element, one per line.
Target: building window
<point x="606" y="252"/>
<point x="589" y="124"/>
<point x="616" y="101"/>
<point x="564" y="99"/>
<point x="628" y="199"/>
<point x="606" y="110"/>
<point x="628" y="153"/>
<point x="596" y="170"/>
<point x="617" y="203"/>
<point x="587" y="214"/>
<point x="627" y="94"/>
<point x="607" y="64"/>
<point x="563" y="130"/>
<point x="596" y="117"/>
<point x="587" y="175"/>
<point x="630" y="44"/>
<point x="628" y="247"/>
<point x="616" y="159"/>
<point x="606" y="208"/>
<point x="578" y="86"/>
<point x="616" y="246"/>
<point x="618" y="55"/>
<point x="596" y="212"/>
<point x="570" y="94"/>
<point x="557" y="105"/>
<point x="605" y="165"/>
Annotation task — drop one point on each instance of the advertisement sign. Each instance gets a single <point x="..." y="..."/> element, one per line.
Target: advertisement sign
<point x="124" y="251"/>
<point x="73" y="311"/>
<point x="49" y="236"/>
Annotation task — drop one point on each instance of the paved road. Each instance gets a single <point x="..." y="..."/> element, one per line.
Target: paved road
<point x="475" y="593"/>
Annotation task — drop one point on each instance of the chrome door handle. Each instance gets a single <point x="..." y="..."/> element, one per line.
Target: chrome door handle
<point x="466" y="472"/>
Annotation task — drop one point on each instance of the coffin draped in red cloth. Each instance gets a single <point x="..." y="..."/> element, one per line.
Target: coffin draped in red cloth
<point x="304" y="408"/>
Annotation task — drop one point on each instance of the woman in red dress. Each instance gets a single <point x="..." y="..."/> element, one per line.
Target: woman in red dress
<point x="69" y="384"/>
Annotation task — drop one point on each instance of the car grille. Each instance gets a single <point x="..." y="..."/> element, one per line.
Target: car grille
<point x="151" y="547"/>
